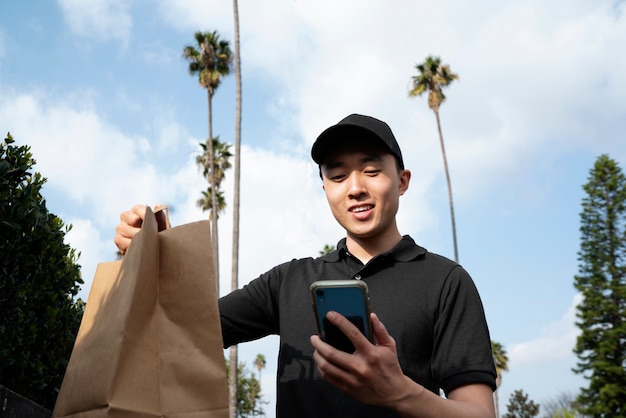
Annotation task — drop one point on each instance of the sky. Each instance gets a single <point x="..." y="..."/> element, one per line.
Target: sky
<point x="100" y="92"/>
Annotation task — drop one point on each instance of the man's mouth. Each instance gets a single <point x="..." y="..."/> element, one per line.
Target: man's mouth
<point x="361" y="208"/>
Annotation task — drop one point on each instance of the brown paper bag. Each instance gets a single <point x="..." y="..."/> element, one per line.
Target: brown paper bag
<point x="150" y="342"/>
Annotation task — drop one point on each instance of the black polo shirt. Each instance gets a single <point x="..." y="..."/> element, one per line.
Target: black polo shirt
<point x="429" y="305"/>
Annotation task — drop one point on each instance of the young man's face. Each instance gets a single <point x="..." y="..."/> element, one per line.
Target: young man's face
<point x="363" y="187"/>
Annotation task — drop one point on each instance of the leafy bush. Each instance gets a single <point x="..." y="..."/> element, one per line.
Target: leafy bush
<point x="39" y="279"/>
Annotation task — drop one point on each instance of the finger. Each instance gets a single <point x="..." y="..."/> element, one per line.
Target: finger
<point x="354" y="334"/>
<point x="327" y="351"/>
<point x="124" y="234"/>
<point x="329" y="361"/>
<point x="380" y="331"/>
<point x="129" y="226"/>
<point x="134" y="216"/>
<point x="330" y="356"/>
<point x="122" y="243"/>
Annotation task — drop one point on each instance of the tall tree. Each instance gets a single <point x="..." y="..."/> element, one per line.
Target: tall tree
<point x="520" y="406"/>
<point x="564" y="405"/>
<point x="249" y="400"/>
<point x="232" y="383"/>
<point x="259" y="363"/>
<point x="39" y="279"/>
<point x="206" y="201"/>
<point x="211" y="60"/>
<point x="501" y="360"/>
<point x="221" y="163"/>
<point x="564" y="413"/>
<point x="221" y="159"/>
<point x="601" y="316"/>
<point x="433" y="77"/>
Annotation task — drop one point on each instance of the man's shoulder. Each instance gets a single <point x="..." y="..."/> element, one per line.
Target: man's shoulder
<point x="408" y="248"/>
<point x="417" y="260"/>
<point x="305" y="264"/>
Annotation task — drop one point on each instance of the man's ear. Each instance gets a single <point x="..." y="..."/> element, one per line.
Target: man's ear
<point x="405" y="179"/>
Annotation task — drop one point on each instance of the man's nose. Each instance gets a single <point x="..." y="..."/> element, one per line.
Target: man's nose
<point x="356" y="186"/>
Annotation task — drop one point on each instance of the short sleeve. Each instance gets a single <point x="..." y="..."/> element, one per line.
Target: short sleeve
<point x="462" y="345"/>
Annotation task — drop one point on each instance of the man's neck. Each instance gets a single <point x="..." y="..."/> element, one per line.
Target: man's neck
<point x="369" y="247"/>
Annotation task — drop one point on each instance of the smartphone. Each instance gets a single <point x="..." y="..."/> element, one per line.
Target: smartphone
<point x="348" y="297"/>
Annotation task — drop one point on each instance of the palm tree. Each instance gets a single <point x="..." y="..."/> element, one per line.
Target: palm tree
<point x="432" y="78"/>
<point x="211" y="61"/>
<point x="232" y="382"/>
<point x="221" y="159"/>
<point x="214" y="172"/>
<point x="259" y="362"/>
<point x="501" y="361"/>
<point x="206" y="201"/>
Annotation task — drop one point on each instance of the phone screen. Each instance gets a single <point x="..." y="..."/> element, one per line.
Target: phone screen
<point x="348" y="297"/>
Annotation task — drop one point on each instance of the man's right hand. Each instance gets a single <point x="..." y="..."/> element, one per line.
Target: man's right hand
<point x="130" y="224"/>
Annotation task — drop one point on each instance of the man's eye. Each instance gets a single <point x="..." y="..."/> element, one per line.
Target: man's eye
<point x="372" y="171"/>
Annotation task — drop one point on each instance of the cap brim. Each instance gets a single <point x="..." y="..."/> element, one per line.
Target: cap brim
<point x="334" y="135"/>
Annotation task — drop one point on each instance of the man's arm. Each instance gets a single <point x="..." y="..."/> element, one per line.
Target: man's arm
<point x="473" y="400"/>
<point x="373" y="375"/>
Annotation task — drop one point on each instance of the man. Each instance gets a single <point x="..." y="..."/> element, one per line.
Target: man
<point x="435" y="336"/>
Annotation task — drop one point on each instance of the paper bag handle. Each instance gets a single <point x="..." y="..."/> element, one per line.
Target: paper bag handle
<point x="161" y="213"/>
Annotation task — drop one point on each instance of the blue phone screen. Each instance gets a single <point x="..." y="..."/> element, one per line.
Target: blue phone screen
<point x="348" y="301"/>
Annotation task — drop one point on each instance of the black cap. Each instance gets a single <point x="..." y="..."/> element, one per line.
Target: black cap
<point x="366" y="127"/>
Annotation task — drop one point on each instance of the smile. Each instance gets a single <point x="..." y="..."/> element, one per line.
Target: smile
<point x="361" y="208"/>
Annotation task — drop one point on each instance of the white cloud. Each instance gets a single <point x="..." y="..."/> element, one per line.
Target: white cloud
<point x="101" y="20"/>
<point x="86" y="237"/>
<point x="91" y="165"/>
<point x="522" y="68"/>
<point x="197" y="15"/>
<point x="554" y="343"/>
<point x="79" y="152"/>
<point x="542" y="367"/>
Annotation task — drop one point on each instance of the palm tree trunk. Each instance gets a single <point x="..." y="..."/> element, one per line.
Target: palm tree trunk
<point x="496" y="403"/>
<point x="445" y="166"/>
<point x="496" y="400"/>
<point x="232" y="381"/>
<point x="214" y="207"/>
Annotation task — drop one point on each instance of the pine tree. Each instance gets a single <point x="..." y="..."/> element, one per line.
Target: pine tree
<point x="520" y="406"/>
<point x="601" y="346"/>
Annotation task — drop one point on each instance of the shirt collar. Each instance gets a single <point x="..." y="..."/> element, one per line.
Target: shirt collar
<point x="405" y="250"/>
